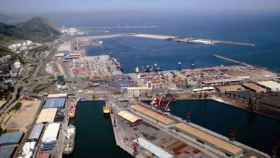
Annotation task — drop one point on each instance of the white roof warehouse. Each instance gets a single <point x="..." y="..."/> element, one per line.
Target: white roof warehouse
<point x="271" y="85"/>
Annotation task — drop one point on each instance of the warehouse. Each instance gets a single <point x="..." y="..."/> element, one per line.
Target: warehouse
<point x="210" y="140"/>
<point x="36" y="132"/>
<point x="55" y="102"/>
<point x="49" y="137"/>
<point x="129" y="117"/>
<point x="47" y="115"/>
<point x="7" y="151"/>
<point x="10" y="138"/>
<point x="153" y="115"/>
<point x="254" y="87"/>
<point x="8" y="143"/>
<point x="230" y="88"/>
<point x="271" y="85"/>
<point x="204" y="89"/>
<point x="51" y="132"/>
<point x="64" y="95"/>
<point x="138" y="91"/>
<point x="154" y="149"/>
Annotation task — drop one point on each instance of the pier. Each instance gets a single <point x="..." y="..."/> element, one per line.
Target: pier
<point x="190" y="40"/>
<point x="231" y="60"/>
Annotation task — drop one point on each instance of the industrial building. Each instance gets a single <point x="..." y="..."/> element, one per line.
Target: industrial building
<point x="57" y="95"/>
<point x="270" y="85"/>
<point x="55" y="101"/>
<point x="131" y="118"/>
<point x="36" y="132"/>
<point x="49" y="138"/>
<point x="153" y="115"/>
<point x="47" y="115"/>
<point x="58" y="102"/>
<point x="204" y="89"/>
<point x="230" y="88"/>
<point x="254" y="87"/>
<point x="154" y="149"/>
<point x="10" y="138"/>
<point x="7" y="151"/>
<point x="138" y="91"/>
<point x="8" y="143"/>
<point x="210" y="140"/>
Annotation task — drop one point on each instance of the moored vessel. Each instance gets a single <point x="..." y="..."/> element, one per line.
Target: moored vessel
<point x="69" y="142"/>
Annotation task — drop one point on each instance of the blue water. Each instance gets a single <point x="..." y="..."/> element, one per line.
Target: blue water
<point x="262" y="30"/>
<point x="132" y="52"/>
<point x="251" y="129"/>
<point x="94" y="133"/>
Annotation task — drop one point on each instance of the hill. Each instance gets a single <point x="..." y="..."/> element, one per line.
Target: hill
<point x="37" y="29"/>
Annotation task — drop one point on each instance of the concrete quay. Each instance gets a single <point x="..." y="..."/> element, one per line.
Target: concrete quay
<point x="161" y="129"/>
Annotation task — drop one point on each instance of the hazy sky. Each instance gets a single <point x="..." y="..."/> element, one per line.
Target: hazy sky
<point x="163" y="5"/>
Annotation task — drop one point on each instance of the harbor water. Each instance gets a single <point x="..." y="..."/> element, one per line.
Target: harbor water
<point x="251" y="129"/>
<point x="95" y="137"/>
<point x="131" y="52"/>
<point x="94" y="133"/>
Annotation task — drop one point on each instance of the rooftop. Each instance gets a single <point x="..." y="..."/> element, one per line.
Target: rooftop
<point x="47" y="115"/>
<point x="57" y="95"/>
<point x="272" y="85"/>
<point x="10" y="138"/>
<point x="254" y="87"/>
<point x="159" y="152"/>
<point x="129" y="116"/>
<point x="7" y="151"/>
<point x="210" y="139"/>
<point x="153" y="114"/>
<point x="230" y="88"/>
<point x="55" y="102"/>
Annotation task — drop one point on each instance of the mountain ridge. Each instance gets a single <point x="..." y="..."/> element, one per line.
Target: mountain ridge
<point x="36" y="29"/>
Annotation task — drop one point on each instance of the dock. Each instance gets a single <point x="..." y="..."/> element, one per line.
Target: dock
<point x="153" y="36"/>
<point x="191" y="40"/>
<point x="142" y="132"/>
<point x="188" y="40"/>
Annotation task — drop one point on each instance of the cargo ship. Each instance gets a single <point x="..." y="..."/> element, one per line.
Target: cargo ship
<point x="69" y="142"/>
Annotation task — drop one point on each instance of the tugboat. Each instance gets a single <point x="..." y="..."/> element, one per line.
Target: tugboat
<point x="106" y="109"/>
<point x="69" y="143"/>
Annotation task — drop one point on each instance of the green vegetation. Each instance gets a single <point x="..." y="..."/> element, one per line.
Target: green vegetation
<point x="5" y="51"/>
<point x="17" y="106"/>
<point x="2" y="130"/>
<point x="37" y="29"/>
